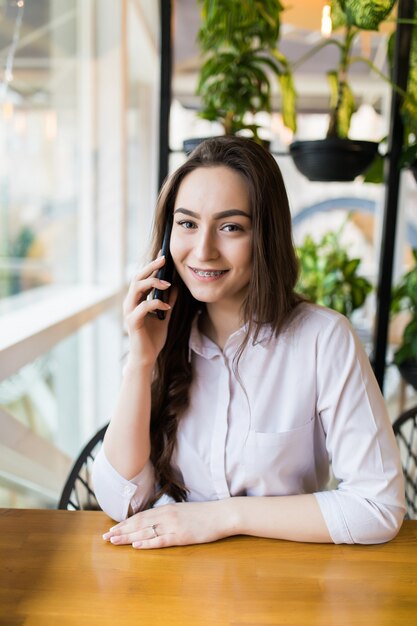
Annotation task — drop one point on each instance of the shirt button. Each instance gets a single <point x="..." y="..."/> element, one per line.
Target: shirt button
<point x="127" y="490"/>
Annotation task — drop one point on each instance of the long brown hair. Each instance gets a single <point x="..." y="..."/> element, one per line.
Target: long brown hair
<point x="270" y="296"/>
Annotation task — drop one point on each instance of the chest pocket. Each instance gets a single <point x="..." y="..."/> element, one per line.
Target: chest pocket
<point x="279" y="462"/>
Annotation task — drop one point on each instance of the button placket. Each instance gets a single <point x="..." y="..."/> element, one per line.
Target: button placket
<point x="218" y="444"/>
<point x="128" y="490"/>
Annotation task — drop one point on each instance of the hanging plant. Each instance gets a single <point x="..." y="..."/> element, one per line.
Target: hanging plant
<point x="408" y="157"/>
<point x="337" y="157"/>
<point x="238" y="40"/>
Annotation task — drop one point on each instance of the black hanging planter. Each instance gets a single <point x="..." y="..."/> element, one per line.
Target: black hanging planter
<point x="333" y="159"/>
<point x="188" y="145"/>
<point x="408" y="371"/>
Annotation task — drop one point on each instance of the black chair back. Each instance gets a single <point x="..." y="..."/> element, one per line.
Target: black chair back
<point x="405" y="429"/>
<point x="78" y="493"/>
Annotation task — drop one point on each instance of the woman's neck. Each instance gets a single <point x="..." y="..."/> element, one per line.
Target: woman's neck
<point x="218" y="323"/>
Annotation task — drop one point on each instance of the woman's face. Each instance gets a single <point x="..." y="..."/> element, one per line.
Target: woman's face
<point x="211" y="235"/>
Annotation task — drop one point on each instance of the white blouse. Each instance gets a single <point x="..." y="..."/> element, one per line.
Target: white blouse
<point x="299" y="403"/>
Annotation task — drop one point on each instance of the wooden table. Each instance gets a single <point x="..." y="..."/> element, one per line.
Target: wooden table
<point x="56" y="570"/>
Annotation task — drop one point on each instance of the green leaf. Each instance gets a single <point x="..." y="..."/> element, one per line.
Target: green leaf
<point x="339" y="304"/>
<point x="366" y="14"/>
<point x="338" y="16"/>
<point x="375" y="173"/>
<point x="358" y="297"/>
<point x="346" y="110"/>
<point x="334" y="88"/>
<point x="237" y="22"/>
<point x="351" y="267"/>
<point x="409" y="105"/>
<point x="342" y="102"/>
<point x="288" y="101"/>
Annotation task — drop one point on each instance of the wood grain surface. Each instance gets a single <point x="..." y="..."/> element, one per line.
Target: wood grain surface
<point x="55" y="569"/>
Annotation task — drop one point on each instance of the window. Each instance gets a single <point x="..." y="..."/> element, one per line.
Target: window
<point x="78" y="153"/>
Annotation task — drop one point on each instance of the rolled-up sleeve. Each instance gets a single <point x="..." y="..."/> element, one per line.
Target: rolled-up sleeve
<point x="114" y="493"/>
<point x="368" y="506"/>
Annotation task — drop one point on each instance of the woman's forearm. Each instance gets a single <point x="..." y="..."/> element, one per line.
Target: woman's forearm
<point x="296" y="518"/>
<point x="127" y="442"/>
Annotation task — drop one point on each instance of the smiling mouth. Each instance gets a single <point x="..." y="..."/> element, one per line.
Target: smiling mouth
<point x="208" y="273"/>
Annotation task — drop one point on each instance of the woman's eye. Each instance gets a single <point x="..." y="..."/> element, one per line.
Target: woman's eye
<point x="231" y="228"/>
<point x="186" y="224"/>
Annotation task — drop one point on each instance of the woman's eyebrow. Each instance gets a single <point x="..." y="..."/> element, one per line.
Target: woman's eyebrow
<point x="216" y="216"/>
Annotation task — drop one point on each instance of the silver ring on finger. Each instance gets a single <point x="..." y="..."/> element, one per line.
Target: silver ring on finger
<point x="153" y="527"/>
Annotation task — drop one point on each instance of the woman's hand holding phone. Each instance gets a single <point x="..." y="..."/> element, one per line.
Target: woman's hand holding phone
<point x="147" y="332"/>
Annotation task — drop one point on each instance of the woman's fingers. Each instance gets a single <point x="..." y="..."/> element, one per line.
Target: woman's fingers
<point x="150" y="268"/>
<point x="145" y="285"/>
<point x="182" y="523"/>
<point x="139" y="290"/>
<point x="146" y="533"/>
<point x="134" y="299"/>
<point x="135" y="317"/>
<point x="136" y="528"/>
<point x="140" y="531"/>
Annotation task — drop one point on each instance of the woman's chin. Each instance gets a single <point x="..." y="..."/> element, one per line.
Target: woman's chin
<point x="202" y="295"/>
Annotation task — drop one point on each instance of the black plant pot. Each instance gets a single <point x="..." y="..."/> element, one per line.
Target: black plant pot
<point x="408" y="371"/>
<point x="188" y="145"/>
<point x="333" y="159"/>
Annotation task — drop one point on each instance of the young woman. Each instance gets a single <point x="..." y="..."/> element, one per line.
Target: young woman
<point x="233" y="407"/>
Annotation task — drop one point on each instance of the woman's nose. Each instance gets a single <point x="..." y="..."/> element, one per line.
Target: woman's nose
<point x="205" y="246"/>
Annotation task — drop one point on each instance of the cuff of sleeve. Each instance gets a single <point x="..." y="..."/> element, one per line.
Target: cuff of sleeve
<point x="333" y="516"/>
<point x="113" y="492"/>
<point x="164" y="499"/>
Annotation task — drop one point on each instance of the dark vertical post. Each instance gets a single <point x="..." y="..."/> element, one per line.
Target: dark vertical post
<point x="392" y="178"/>
<point x="165" y="90"/>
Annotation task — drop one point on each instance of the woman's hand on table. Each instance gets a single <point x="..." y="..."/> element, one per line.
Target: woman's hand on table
<point x="178" y="524"/>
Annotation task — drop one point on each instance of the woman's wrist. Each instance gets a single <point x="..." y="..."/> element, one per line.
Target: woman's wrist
<point x="229" y="517"/>
<point x="138" y="367"/>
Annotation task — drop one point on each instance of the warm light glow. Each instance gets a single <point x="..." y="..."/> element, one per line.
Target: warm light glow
<point x="326" y="21"/>
<point x="8" y="110"/>
<point x="51" y="125"/>
<point x="20" y="123"/>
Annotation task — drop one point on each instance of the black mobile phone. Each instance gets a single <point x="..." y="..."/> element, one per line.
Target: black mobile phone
<point x="167" y="271"/>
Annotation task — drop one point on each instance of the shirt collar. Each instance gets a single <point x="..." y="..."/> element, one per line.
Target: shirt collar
<point x="202" y="345"/>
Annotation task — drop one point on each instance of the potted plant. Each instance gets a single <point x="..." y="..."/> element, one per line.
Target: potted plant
<point x="408" y="112"/>
<point x="404" y="298"/>
<point x="329" y="276"/>
<point x="409" y="108"/>
<point x="337" y="157"/>
<point x="238" y="41"/>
